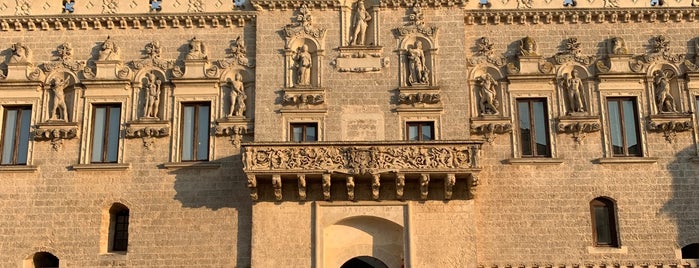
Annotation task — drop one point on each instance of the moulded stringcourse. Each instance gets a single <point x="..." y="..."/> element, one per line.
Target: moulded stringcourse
<point x="573" y="16"/>
<point x="140" y="21"/>
<point x="294" y="4"/>
<point x="590" y="265"/>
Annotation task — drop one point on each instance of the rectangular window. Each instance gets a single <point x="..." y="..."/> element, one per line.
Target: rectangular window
<point x="121" y="231"/>
<point x="623" y="127"/>
<point x="195" y="131"/>
<point x="105" y="133"/>
<point x="15" y="136"/>
<point x="419" y="131"/>
<point x="534" y="128"/>
<point x="301" y="132"/>
<point x="604" y="223"/>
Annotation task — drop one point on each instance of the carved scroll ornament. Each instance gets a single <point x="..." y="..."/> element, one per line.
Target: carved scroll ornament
<point x="415" y="98"/>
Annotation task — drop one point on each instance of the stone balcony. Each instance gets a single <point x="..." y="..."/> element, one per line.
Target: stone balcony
<point x="361" y="170"/>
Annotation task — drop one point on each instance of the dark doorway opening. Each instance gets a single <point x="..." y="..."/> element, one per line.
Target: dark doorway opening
<point x="364" y="262"/>
<point x="691" y="251"/>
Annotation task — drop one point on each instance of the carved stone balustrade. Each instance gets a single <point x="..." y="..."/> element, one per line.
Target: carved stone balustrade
<point x="361" y="170"/>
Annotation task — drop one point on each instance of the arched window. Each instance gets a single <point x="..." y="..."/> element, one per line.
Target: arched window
<point x="45" y="260"/>
<point x="118" y="228"/>
<point x="690" y="251"/>
<point x="604" y="229"/>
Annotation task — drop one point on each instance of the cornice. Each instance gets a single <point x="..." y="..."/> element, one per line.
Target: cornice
<point x="579" y="15"/>
<point x="124" y="21"/>
<point x="294" y="4"/>
<point x="424" y="3"/>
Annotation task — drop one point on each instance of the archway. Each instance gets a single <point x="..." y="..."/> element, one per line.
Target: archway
<point x="364" y="262"/>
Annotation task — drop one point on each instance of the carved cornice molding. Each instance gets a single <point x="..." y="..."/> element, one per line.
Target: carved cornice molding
<point x="135" y="21"/>
<point x="432" y="3"/>
<point x="294" y="4"/>
<point x="580" y="15"/>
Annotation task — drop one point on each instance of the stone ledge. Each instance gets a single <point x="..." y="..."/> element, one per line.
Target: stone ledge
<point x="627" y="160"/>
<point x="102" y="167"/>
<point x="534" y="161"/>
<point x="195" y="165"/>
<point x="607" y="250"/>
<point x="19" y="168"/>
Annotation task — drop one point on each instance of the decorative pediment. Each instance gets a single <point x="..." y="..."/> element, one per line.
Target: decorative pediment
<point x="237" y="55"/>
<point x="485" y="53"/>
<point x="416" y="24"/>
<point x="64" y="59"/>
<point x="152" y="58"/>
<point x="304" y="25"/>
<point x="660" y="50"/>
<point x="572" y="53"/>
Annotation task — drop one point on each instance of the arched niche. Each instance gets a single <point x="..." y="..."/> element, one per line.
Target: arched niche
<point x="416" y="49"/>
<point x="487" y="91"/>
<point x="143" y="87"/>
<point x="60" y="87"/>
<point x="364" y="262"/>
<point x="575" y="85"/>
<point x="363" y="236"/>
<point x="665" y="89"/>
<point x="108" y="223"/>
<point x="350" y="18"/>
<point x="300" y="53"/>
<point x="228" y="100"/>
<point x="41" y="259"/>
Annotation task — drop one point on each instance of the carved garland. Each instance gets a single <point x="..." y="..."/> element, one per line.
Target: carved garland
<point x="147" y="134"/>
<point x="55" y="135"/>
<point x="670" y="128"/>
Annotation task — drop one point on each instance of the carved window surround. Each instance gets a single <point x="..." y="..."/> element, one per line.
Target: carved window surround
<point x="140" y="21"/>
<point x="101" y="93"/>
<point x="622" y="85"/>
<point x="419" y="99"/>
<point x="533" y="86"/>
<point x="288" y="118"/>
<point x="102" y="167"/>
<point x="303" y="100"/>
<point x="235" y="129"/>
<point x="535" y="161"/>
<point x="579" y="15"/>
<point x="426" y="116"/>
<point x="269" y="165"/>
<point x="22" y="94"/>
<point x="193" y="90"/>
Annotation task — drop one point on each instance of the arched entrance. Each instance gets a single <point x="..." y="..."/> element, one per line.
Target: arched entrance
<point x="364" y="262"/>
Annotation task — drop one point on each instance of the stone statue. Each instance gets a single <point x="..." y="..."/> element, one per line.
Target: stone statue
<point x="150" y="110"/>
<point x="527" y="47"/>
<point x="488" y="94"/>
<point x="361" y="22"/>
<point x="237" y="96"/>
<point x="664" y="100"/>
<point x="59" y="110"/>
<point x="619" y="46"/>
<point x="20" y="53"/>
<point x="574" y="89"/>
<point x="416" y="62"/>
<point x="108" y="51"/>
<point x="197" y="50"/>
<point x="303" y="66"/>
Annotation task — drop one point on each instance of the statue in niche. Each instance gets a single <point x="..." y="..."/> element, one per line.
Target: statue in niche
<point x="416" y="62"/>
<point x="197" y="50"/>
<point x="59" y="111"/>
<point x="619" y="46"/>
<point x="303" y="66"/>
<point x="574" y="88"/>
<point x="108" y="50"/>
<point x="488" y="94"/>
<point x="361" y="22"/>
<point x="527" y="47"/>
<point x="20" y="53"/>
<point x="150" y="110"/>
<point x="663" y="99"/>
<point x="237" y="96"/>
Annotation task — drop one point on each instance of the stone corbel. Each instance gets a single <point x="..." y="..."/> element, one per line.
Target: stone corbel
<point x="350" y="188"/>
<point x="400" y="185"/>
<point x="472" y="184"/>
<point x="252" y="185"/>
<point x="277" y="185"/>
<point x="302" y="186"/>
<point x="147" y="132"/>
<point x="326" y="187"/>
<point x="449" y="182"/>
<point x="578" y="127"/>
<point x="670" y="126"/>
<point x="489" y="128"/>
<point x="56" y="133"/>
<point x="375" y="186"/>
<point x="232" y="129"/>
<point x="424" y="186"/>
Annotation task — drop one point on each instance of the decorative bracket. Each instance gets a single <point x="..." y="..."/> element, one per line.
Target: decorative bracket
<point x="489" y="128"/>
<point x="578" y="127"/>
<point x="670" y="126"/>
<point x="56" y="133"/>
<point x="234" y="129"/>
<point x="147" y="131"/>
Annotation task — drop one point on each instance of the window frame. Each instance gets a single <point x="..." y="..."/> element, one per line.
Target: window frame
<point x="304" y="126"/>
<point x="612" y="222"/>
<point x="195" y="135"/>
<point x="105" y="141"/>
<point x="18" y="131"/>
<point x="532" y="139"/>
<point x="622" y="127"/>
<point x="419" y="125"/>
<point x="120" y="244"/>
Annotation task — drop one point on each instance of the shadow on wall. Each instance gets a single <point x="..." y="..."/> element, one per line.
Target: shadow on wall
<point x="683" y="206"/>
<point x="219" y="188"/>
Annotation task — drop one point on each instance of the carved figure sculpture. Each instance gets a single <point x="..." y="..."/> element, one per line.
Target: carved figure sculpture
<point x="527" y="47"/>
<point x="664" y="100"/>
<point x="303" y="66"/>
<point x="488" y="94"/>
<point x="619" y="46"/>
<point x="20" y="53"/>
<point x="237" y="96"/>
<point x="574" y="89"/>
<point x="108" y="51"/>
<point x="361" y="22"/>
<point x="59" y="110"/>
<point x="197" y="50"/>
<point x="152" y="96"/>
<point x="416" y="63"/>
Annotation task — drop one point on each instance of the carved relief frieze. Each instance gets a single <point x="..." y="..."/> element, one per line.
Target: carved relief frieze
<point x="289" y="4"/>
<point x="670" y="125"/>
<point x="578" y="127"/>
<point x="575" y="16"/>
<point x="148" y="131"/>
<point x="434" y="3"/>
<point x="303" y="100"/>
<point x="489" y="129"/>
<point x="56" y="133"/>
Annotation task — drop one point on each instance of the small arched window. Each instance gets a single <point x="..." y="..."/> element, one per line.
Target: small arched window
<point x="118" y="227"/>
<point x="44" y="260"/>
<point x="604" y="228"/>
<point x="690" y="251"/>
